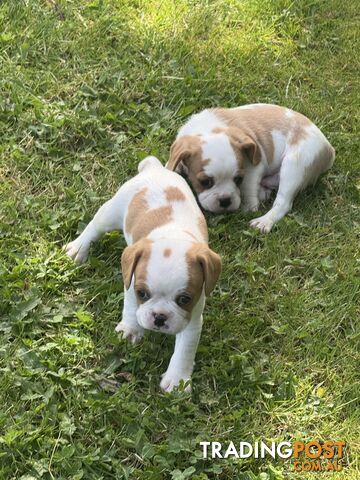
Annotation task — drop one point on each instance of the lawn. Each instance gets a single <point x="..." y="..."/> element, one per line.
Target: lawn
<point x="87" y="89"/>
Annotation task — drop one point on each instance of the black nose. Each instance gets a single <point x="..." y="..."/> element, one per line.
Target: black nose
<point x="160" y="319"/>
<point x="225" y="202"/>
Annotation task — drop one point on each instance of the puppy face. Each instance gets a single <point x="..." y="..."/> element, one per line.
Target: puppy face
<point x="215" y="165"/>
<point x="169" y="280"/>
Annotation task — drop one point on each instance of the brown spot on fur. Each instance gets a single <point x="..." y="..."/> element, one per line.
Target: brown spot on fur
<point x="167" y="252"/>
<point x="298" y="125"/>
<point x="195" y="173"/>
<point x="140" y="273"/>
<point x="258" y="123"/>
<point x="174" y="194"/>
<point x="141" y="277"/>
<point x="141" y="220"/>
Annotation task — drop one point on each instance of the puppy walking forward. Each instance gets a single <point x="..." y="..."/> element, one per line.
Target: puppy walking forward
<point x="167" y="267"/>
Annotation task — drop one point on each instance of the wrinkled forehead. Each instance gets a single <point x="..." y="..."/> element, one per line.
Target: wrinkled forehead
<point x="166" y="271"/>
<point x="223" y="162"/>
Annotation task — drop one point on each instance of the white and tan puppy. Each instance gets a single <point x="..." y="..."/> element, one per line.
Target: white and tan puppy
<point x="238" y="155"/>
<point x="167" y="266"/>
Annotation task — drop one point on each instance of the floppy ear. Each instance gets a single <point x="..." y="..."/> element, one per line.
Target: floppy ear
<point x="130" y="258"/>
<point x="252" y="151"/>
<point x="244" y="143"/>
<point x="181" y="152"/>
<point x="210" y="263"/>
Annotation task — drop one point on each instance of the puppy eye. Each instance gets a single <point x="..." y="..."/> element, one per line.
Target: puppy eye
<point x="142" y="294"/>
<point x="183" y="300"/>
<point x="238" y="180"/>
<point x="207" y="182"/>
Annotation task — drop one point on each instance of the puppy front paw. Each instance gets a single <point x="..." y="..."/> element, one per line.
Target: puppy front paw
<point x="132" y="333"/>
<point x="171" y="380"/>
<point x="77" y="250"/>
<point x="264" y="224"/>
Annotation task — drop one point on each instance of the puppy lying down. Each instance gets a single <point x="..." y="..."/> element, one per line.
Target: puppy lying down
<point x="167" y="267"/>
<point x="238" y="155"/>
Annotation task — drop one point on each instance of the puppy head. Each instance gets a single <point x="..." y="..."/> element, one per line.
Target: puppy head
<point x="215" y="165"/>
<point x="169" y="280"/>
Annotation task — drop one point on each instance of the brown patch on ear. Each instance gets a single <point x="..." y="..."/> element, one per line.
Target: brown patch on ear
<point x="200" y="258"/>
<point x="243" y="144"/>
<point x="167" y="252"/>
<point x="186" y="150"/>
<point x="141" y="220"/>
<point x="174" y="194"/>
<point x="134" y="256"/>
<point x="251" y="150"/>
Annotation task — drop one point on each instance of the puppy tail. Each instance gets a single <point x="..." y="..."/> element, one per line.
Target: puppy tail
<point x="149" y="161"/>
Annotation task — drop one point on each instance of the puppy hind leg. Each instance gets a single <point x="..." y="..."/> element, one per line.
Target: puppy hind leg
<point x="291" y="182"/>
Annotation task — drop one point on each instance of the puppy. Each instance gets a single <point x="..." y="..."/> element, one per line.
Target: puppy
<point x="238" y="155"/>
<point x="167" y="266"/>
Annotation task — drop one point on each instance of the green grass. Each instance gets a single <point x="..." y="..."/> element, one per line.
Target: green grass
<point x="88" y="88"/>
